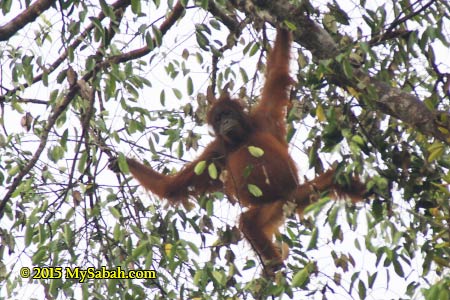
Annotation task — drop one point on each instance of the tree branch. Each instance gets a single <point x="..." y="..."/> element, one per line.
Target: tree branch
<point x="74" y="90"/>
<point x="391" y="101"/>
<point x="234" y="26"/>
<point x="231" y="23"/>
<point x="118" y="5"/>
<point x="57" y="111"/>
<point x="176" y="13"/>
<point x="27" y="16"/>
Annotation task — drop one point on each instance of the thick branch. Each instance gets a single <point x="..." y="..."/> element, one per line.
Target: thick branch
<point x="118" y="5"/>
<point x="24" y="18"/>
<point x="231" y="23"/>
<point x="177" y="12"/>
<point x="392" y="101"/>
<point x="408" y="108"/>
<point x="234" y="26"/>
<point x="57" y="111"/>
<point x="74" y="89"/>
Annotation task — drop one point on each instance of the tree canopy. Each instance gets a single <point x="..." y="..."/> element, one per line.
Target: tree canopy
<point x="82" y="82"/>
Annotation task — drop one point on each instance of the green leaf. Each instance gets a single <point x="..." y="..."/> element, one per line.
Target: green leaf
<point x="436" y="150"/>
<point x="255" y="151"/>
<point x="243" y="75"/>
<point x="371" y="279"/>
<point x="180" y="150"/>
<point x="204" y="4"/>
<point x="301" y="278"/>
<point x="149" y="41"/>
<point x="214" y="24"/>
<point x="398" y="268"/>
<point x="68" y="234"/>
<point x="320" y="114"/>
<point x="314" y="237"/>
<point x="123" y="165"/>
<point x="29" y="232"/>
<point x="177" y="93"/>
<point x="140" y="250"/>
<point x="377" y="210"/>
<point x="162" y="98"/>
<point x="362" y="291"/>
<point x="14" y="170"/>
<point x="329" y="21"/>
<point x="6" y="6"/>
<point x="340" y="15"/>
<point x="219" y="277"/>
<point x="316" y="206"/>
<point x="106" y="9"/>
<point x="185" y="54"/>
<point x="358" y="140"/>
<point x="157" y="35"/>
<point x="136" y="6"/>
<point x="254" y="190"/>
<point x="197" y="277"/>
<point x="332" y="216"/>
<point x="42" y="234"/>
<point x="55" y="153"/>
<point x="190" y="86"/>
<point x="82" y="162"/>
<point x="212" y="171"/>
<point x="348" y="69"/>
<point x="202" y="40"/>
<point x="38" y="257"/>
<point x="247" y="171"/>
<point x="254" y="49"/>
<point x="290" y="25"/>
<point x="193" y="247"/>
<point x="115" y="212"/>
<point x="200" y="167"/>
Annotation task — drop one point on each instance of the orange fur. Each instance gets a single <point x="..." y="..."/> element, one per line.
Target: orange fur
<point x="354" y="190"/>
<point x="274" y="172"/>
